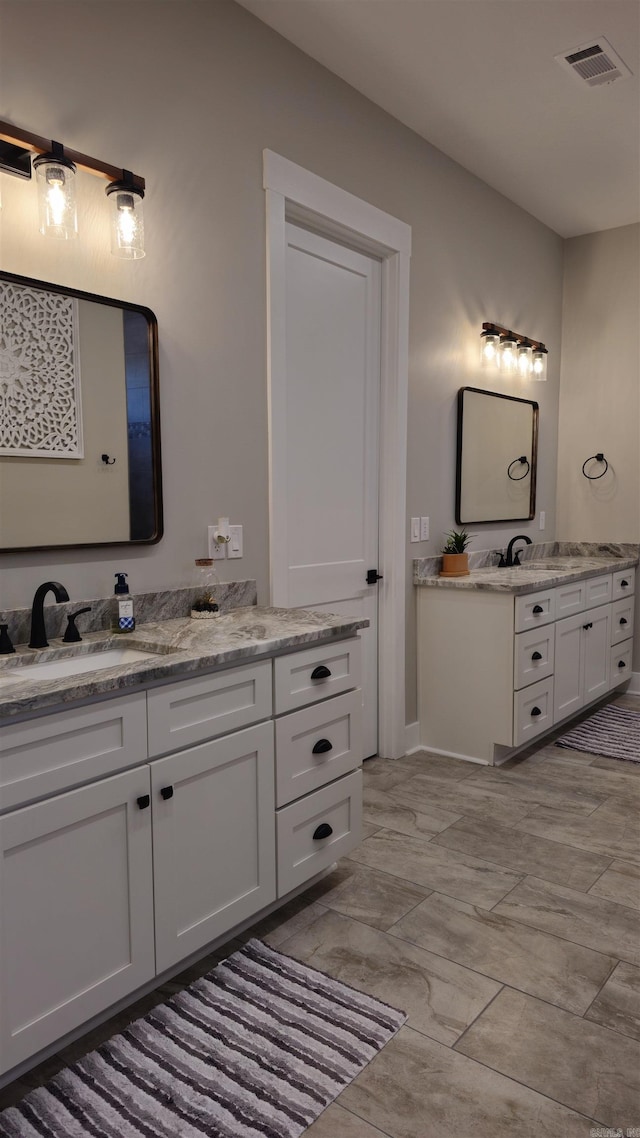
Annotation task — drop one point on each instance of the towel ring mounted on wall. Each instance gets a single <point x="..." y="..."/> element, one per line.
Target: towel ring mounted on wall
<point x="598" y="458"/>
<point x="525" y="462"/>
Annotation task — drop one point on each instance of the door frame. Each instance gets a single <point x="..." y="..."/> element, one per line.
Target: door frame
<point x="295" y="194"/>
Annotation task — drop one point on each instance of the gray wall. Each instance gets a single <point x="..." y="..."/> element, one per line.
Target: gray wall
<point x="188" y="94"/>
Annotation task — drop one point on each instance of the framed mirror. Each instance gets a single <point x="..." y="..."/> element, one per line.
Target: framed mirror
<point x="79" y="419"/>
<point x="496" y="457"/>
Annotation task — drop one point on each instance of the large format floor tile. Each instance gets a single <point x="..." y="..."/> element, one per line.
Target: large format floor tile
<point x="336" y="1122"/>
<point x="523" y="853"/>
<point x="569" y="1059"/>
<point x="579" y="917"/>
<point x="374" y="898"/>
<point x="522" y="785"/>
<point x="460" y="798"/>
<point x="440" y="998"/>
<point x="416" y="1088"/>
<point x="556" y="970"/>
<point x="563" y="777"/>
<point x="620" y="882"/>
<point x="596" y="834"/>
<point x="618" y="1004"/>
<point x="417" y="818"/>
<point x="448" y="871"/>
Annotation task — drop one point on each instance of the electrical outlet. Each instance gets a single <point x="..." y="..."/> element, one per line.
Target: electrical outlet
<point x="543" y="519"/>
<point x="217" y="550"/>
<point x="415" y="529"/>
<point x="234" y="548"/>
<point x="424" y="529"/>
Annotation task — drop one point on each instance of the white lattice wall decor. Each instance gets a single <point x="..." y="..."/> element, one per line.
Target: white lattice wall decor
<point x="40" y="411"/>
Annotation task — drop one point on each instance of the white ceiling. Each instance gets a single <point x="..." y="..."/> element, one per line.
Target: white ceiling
<point x="478" y="79"/>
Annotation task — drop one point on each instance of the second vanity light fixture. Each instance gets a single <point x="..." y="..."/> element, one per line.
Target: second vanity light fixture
<point x="512" y="353"/>
<point x="55" y="168"/>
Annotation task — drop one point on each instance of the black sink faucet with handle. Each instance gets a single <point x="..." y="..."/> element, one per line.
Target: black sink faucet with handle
<point x="38" y="637"/>
<point x="511" y="558"/>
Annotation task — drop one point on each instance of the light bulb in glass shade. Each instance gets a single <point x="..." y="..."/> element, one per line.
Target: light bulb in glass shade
<point x="508" y="353"/>
<point x="525" y="354"/>
<point x="56" y="182"/>
<point x="489" y="348"/>
<point x="127" y="221"/>
<point x="539" y="363"/>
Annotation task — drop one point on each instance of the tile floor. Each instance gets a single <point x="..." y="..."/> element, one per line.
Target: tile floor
<point x="500" y="907"/>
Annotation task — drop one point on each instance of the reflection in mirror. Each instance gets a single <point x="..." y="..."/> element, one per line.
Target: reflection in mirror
<point x="496" y="460"/>
<point x="79" y="419"/>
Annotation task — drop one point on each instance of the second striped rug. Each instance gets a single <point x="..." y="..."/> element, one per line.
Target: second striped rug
<point x="256" y="1049"/>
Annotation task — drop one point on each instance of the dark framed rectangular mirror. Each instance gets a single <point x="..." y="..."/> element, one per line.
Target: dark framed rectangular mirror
<point x="496" y="457"/>
<point x="79" y="419"/>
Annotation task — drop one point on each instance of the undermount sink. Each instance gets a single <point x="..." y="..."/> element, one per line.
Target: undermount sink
<point x="73" y="665"/>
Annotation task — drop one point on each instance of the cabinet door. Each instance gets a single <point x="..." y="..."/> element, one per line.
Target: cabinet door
<point x="597" y="652"/>
<point x="213" y="839"/>
<point x="568" y="679"/>
<point x="77" y="914"/>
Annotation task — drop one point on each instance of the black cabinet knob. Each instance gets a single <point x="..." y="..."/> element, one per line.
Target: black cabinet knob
<point x="624" y="584"/>
<point x="623" y="620"/>
<point x="621" y="664"/>
<point x="536" y="711"/>
<point x="538" y="609"/>
<point x="166" y="792"/>
<point x="536" y="656"/>
<point x="588" y="626"/>
<point x="321" y="672"/>
<point x="321" y="747"/>
<point x="143" y="801"/>
<point x="324" y="830"/>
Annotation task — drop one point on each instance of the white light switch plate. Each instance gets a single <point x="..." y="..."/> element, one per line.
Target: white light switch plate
<point x="424" y="529"/>
<point x="543" y="519"/>
<point x="234" y="548"/>
<point x="415" y="529"/>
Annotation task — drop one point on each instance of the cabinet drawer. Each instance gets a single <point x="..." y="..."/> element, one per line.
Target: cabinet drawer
<point x="570" y="598"/>
<point x="621" y="662"/>
<point x="599" y="590"/>
<point x="317" y="744"/>
<point x="533" y="656"/>
<point x="305" y="677"/>
<point x="532" y="711"/>
<point x="48" y="755"/>
<point x="622" y="612"/>
<point x="624" y="583"/>
<point x="300" y="855"/>
<point x="535" y="609"/>
<point x="193" y="710"/>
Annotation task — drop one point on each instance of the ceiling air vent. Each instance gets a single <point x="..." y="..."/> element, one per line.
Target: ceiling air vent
<point x="594" y="63"/>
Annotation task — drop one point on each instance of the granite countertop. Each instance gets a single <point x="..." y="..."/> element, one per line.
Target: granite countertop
<point x="183" y="646"/>
<point x="532" y="575"/>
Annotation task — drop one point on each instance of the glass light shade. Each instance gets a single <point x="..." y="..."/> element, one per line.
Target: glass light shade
<point x="489" y="348"/>
<point x="539" y="363"/>
<point x="508" y="353"/>
<point x="525" y="360"/>
<point x="127" y="221"/>
<point x="56" y="182"/>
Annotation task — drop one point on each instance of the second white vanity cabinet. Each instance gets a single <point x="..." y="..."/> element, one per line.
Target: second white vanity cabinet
<point x="582" y="660"/>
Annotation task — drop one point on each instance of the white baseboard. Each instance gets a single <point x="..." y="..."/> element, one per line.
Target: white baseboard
<point x="412" y="738"/>
<point x="634" y="686"/>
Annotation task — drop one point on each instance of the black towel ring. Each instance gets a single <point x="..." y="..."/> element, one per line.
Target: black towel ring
<point x="525" y="461"/>
<point x="598" y="458"/>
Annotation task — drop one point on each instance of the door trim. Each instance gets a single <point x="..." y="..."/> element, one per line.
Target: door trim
<point x="295" y="194"/>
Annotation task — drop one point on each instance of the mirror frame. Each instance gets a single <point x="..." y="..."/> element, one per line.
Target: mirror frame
<point x="154" y="393"/>
<point x="534" y="457"/>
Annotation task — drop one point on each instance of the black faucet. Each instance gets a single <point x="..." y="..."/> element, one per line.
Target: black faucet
<point x="38" y="631"/>
<point x="511" y="559"/>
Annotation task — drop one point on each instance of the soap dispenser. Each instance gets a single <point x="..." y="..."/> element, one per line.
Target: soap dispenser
<point x="123" y="620"/>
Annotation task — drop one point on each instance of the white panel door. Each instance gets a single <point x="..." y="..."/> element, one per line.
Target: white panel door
<point x="327" y="469"/>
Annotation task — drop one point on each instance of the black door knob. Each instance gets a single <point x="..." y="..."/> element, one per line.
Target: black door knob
<point x="143" y="801"/>
<point x="321" y="672"/>
<point x="536" y="656"/>
<point x="166" y="792"/>
<point x="324" y="830"/>
<point x="373" y="576"/>
<point x="321" y="747"/>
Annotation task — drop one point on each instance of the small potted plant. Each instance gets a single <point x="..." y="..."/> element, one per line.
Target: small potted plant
<point x="455" y="560"/>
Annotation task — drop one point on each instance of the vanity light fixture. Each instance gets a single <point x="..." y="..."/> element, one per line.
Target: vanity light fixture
<point x="512" y="352"/>
<point x="55" y="167"/>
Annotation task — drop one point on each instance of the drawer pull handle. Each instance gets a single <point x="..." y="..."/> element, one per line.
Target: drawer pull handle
<point x="536" y="711"/>
<point x="624" y="584"/>
<point x="166" y="792"/>
<point x="538" y="609"/>
<point x="143" y="801"/>
<point x="324" y="830"/>
<point x="623" y="620"/>
<point x="621" y="664"/>
<point x="321" y="747"/>
<point x="537" y="656"/>
<point x="321" y="672"/>
<point x="588" y="626"/>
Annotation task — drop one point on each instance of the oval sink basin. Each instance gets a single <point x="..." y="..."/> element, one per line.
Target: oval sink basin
<point x="75" y="665"/>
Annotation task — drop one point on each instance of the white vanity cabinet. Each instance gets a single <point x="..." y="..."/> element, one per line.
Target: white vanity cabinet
<point x="136" y="831"/>
<point x="497" y="670"/>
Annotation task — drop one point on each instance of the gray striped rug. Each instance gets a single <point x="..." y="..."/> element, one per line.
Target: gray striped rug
<point x="256" y="1049"/>
<point x="612" y="731"/>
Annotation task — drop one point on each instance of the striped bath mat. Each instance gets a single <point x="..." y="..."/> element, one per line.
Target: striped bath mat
<point x="256" y="1049"/>
<point x="612" y="731"/>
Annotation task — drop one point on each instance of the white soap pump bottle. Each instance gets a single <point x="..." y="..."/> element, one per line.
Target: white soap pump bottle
<point x="124" y="620"/>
